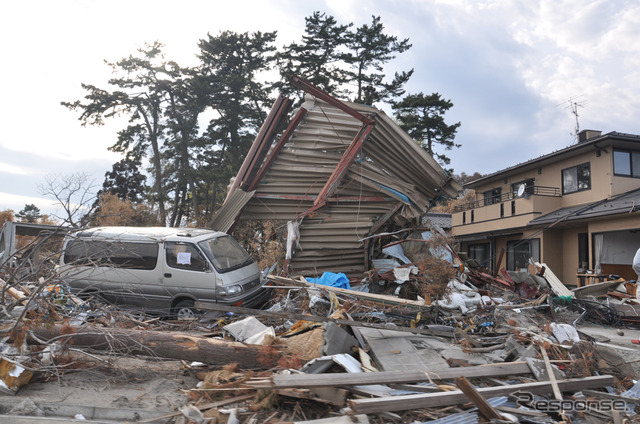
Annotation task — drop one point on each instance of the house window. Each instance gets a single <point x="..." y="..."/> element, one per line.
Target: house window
<point x="492" y="196"/>
<point x="528" y="186"/>
<point x="480" y="253"/>
<point x="519" y="252"/>
<point x="626" y="163"/>
<point x="583" y="251"/>
<point x="577" y="178"/>
<point x="464" y="217"/>
<point x="501" y="210"/>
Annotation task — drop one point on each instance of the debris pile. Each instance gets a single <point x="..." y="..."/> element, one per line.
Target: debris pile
<point x="396" y="345"/>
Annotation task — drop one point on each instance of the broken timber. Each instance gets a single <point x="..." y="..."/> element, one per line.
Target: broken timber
<point x="166" y="345"/>
<point x="485" y="408"/>
<point x="429" y="400"/>
<point x="370" y="297"/>
<point x="315" y="318"/>
<point x="387" y="377"/>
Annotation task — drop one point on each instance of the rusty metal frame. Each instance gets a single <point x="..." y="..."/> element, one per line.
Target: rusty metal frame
<point x="305" y="85"/>
<point x="263" y="140"/>
<point x="293" y="125"/>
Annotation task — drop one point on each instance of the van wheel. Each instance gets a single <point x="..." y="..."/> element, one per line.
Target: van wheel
<point x="185" y="309"/>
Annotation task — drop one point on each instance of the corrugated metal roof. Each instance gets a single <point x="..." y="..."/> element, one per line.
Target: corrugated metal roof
<point x="390" y="168"/>
<point x="226" y="217"/>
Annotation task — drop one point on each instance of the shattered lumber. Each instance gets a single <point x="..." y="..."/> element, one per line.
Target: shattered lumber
<point x="166" y="345"/>
<point x="429" y="400"/>
<point x="485" y="408"/>
<point x="370" y="297"/>
<point x="315" y="318"/>
<point x="387" y="377"/>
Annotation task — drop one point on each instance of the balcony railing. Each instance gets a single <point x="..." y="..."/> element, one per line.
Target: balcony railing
<point x="529" y="191"/>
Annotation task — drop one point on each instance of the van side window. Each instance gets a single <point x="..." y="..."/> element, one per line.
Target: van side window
<point x="184" y="256"/>
<point x="111" y="253"/>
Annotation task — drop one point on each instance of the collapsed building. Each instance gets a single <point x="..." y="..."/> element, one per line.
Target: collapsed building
<point x="337" y="174"/>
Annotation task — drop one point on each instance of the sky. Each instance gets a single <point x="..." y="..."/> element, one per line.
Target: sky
<point x="511" y="69"/>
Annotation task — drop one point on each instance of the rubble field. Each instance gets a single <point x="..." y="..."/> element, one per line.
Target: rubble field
<point x="397" y="345"/>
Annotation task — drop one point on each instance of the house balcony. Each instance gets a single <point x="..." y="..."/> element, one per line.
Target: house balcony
<point x="504" y="212"/>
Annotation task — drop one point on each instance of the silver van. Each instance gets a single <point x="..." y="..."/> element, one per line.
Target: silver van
<point x="161" y="270"/>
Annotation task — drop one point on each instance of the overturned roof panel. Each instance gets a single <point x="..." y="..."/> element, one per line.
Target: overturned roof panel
<point x="342" y="170"/>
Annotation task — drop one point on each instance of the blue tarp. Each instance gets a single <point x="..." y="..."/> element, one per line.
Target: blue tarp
<point x="339" y="280"/>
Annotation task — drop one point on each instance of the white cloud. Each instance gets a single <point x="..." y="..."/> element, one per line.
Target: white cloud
<point x="508" y="67"/>
<point x="17" y="202"/>
<point x="17" y="169"/>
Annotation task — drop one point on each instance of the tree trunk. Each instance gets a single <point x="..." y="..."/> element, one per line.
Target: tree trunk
<point x="164" y="344"/>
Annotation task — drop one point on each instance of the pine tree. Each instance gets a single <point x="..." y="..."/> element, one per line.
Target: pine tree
<point x="422" y="117"/>
<point x="369" y="50"/>
<point x="30" y="213"/>
<point x="232" y="68"/>
<point x="138" y="92"/>
<point x="318" y="58"/>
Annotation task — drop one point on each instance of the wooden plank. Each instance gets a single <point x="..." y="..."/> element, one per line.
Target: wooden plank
<point x="430" y="400"/>
<point x="372" y="297"/>
<point x="558" y="287"/>
<point x="552" y="376"/>
<point x="389" y="377"/>
<point x="484" y="407"/>
<point x="315" y="318"/>
<point x="611" y="396"/>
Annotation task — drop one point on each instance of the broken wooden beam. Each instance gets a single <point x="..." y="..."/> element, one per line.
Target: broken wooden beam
<point x="315" y="318"/>
<point x="387" y="377"/>
<point x="484" y="407"/>
<point x="552" y="376"/>
<point x="430" y="400"/>
<point x="380" y="299"/>
<point x="163" y="344"/>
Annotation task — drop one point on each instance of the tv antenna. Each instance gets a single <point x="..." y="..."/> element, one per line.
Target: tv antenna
<point x="574" y="104"/>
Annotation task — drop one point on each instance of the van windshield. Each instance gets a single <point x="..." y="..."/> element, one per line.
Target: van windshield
<point x="225" y="253"/>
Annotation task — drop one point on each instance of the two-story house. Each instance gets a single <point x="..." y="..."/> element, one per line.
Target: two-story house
<point x="576" y="209"/>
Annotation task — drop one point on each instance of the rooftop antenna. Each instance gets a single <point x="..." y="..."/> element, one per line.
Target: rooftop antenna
<point x="574" y="104"/>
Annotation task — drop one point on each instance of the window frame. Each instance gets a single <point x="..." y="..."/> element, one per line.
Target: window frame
<point x="533" y="251"/>
<point x="578" y="189"/>
<point x="494" y="196"/>
<point x="476" y="247"/>
<point x="107" y="253"/>
<point x="529" y="185"/>
<point x="631" y="154"/>
<point x="197" y="259"/>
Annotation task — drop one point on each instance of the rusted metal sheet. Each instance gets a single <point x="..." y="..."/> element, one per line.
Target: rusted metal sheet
<point x="227" y="216"/>
<point x="343" y="170"/>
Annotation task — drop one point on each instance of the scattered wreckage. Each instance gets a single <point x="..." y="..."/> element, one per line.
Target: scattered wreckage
<point x="385" y="347"/>
<point x="369" y="319"/>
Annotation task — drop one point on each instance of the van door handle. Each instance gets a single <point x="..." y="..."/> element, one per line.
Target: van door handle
<point x="167" y="275"/>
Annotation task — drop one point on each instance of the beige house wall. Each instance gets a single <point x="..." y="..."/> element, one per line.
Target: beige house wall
<point x="550" y="175"/>
<point x="631" y="222"/>
<point x="559" y="244"/>
<point x="552" y="250"/>
<point x="569" y="264"/>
